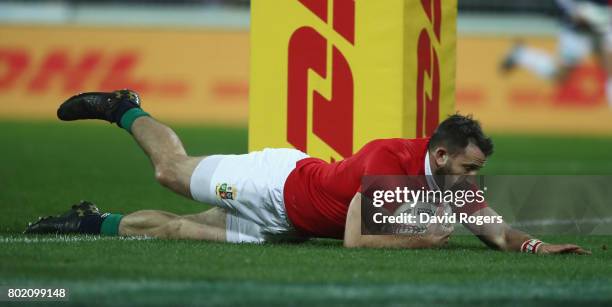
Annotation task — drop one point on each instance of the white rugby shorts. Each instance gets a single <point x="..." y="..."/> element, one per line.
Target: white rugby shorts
<point x="250" y="188"/>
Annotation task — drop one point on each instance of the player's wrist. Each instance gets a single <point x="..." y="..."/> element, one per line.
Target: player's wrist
<point x="531" y="246"/>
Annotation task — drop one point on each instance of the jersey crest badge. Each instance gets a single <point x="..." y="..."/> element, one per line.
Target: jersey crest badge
<point x="225" y="191"/>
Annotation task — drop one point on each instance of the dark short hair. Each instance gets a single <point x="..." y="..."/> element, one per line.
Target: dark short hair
<point x="457" y="131"/>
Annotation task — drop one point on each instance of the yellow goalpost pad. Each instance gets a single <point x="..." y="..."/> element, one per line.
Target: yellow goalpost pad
<point x="327" y="76"/>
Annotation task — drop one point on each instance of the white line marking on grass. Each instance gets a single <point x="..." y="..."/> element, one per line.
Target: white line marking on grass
<point x="66" y="239"/>
<point x="91" y="238"/>
<point x="556" y="222"/>
<point x="565" y="166"/>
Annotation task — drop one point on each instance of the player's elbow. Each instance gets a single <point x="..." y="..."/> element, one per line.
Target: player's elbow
<point x="353" y="241"/>
<point x="352" y="244"/>
<point x="360" y="241"/>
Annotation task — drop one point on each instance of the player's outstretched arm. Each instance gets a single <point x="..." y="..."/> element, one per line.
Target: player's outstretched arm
<point x="501" y="236"/>
<point x="354" y="238"/>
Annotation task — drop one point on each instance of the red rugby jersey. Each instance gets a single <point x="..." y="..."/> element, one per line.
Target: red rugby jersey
<point x="317" y="193"/>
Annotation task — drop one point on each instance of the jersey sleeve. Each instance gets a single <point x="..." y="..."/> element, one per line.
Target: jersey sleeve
<point x="382" y="169"/>
<point x="383" y="161"/>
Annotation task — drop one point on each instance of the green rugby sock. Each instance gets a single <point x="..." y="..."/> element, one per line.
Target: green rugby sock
<point x="110" y="225"/>
<point x="128" y="118"/>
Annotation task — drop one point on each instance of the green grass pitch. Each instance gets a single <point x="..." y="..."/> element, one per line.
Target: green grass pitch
<point x="46" y="166"/>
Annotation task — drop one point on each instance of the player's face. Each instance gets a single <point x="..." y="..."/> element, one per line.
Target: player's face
<point x="453" y="167"/>
<point x="468" y="162"/>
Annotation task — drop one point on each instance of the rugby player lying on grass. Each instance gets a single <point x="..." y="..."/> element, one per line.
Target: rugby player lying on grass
<point x="282" y="194"/>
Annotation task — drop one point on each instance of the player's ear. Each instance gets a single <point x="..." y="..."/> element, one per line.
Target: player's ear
<point x="441" y="156"/>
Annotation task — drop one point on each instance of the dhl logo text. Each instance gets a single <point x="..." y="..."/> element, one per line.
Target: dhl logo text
<point x="71" y="72"/>
<point x="332" y="119"/>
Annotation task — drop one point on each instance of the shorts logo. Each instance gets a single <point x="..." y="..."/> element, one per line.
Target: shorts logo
<point x="225" y="191"/>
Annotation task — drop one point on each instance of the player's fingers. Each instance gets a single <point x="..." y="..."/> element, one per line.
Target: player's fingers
<point x="575" y="249"/>
<point x="566" y="249"/>
<point x="581" y="251"/>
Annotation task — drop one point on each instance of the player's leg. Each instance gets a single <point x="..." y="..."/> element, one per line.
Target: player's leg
<point x="533" y="59"/>
<point x="607" y="60"/>
<point x="173" y="167"/>
<point x="86" y="218"/>
<point x="208" y="225"/>
<point x="608" y="56"/>
<point x="574" y="46"/>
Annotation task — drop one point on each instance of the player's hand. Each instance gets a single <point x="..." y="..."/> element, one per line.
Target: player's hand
<point x="562" y="249"/>
<point x="437" y="234"/>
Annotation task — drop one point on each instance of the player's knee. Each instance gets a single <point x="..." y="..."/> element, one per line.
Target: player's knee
<point x="166" y="175"/>
<point x="173" y="173"/>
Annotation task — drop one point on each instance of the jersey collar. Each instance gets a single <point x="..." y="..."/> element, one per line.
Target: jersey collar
<point x="431" y="182"/>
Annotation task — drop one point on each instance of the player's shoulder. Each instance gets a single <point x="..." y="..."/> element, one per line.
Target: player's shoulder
<point x="396" y="156"/>
<point x="402" y="144"/>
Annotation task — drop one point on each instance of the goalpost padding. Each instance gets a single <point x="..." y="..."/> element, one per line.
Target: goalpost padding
<point x="327" y="76"/>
